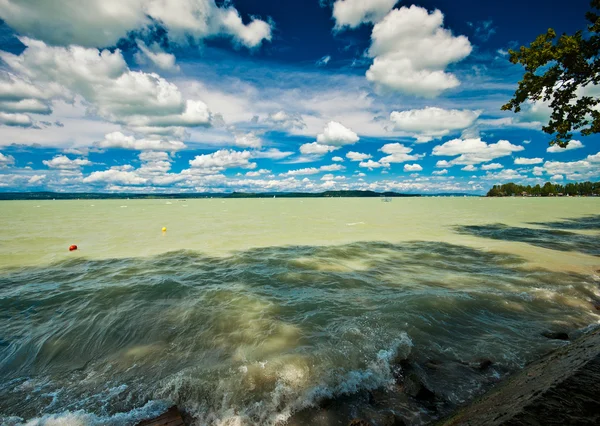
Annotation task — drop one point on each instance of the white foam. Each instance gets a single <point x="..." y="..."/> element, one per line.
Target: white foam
<point x="83" y="418"/>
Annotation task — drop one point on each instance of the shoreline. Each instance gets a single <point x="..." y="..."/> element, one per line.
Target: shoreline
<point x="559" y="388"/>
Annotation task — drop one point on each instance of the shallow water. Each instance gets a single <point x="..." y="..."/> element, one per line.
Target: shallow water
<point x="248" y="311"/>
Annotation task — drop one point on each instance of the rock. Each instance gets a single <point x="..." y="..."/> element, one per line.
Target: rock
<point x="555" y="335"/>
<point x="485" y="363"/>
<point x="413" y="386"/>
<point x="392" y="419"/>
<point x="359" y="422"/>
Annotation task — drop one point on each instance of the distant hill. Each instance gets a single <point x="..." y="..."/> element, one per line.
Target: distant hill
<point x="116" y="196"/>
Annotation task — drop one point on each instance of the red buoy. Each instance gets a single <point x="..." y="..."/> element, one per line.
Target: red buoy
<point x="73" y="247"/>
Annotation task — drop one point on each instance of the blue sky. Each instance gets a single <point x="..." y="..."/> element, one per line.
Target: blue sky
<point x="272" y="95"/>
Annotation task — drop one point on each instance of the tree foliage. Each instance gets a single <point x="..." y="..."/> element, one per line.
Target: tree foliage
<point x="557" y="70"/>
<point x="548" y="189"/>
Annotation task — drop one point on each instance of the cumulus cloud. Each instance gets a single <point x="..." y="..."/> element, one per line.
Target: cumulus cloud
<point x="16" y="120"/>
<point x="271" y="154"/>
<point x="492" y="166"/>
<point x="248" y="140"/>
<point x="583" y="169"/>
<point x="315" y="148"/>
<point x="503" y="176"/>
<point x="6" y="160"/>
<point x="285" y="120"/>
<point x="258" y="173"/>
<point x="223" y="159"/>
<point x="133" y="98"/>
<point x="352" y="13"/>
<point x="469" y="168"/>
<point x="443" y="163"/>
<point x="154" y="55"/>
<point x="338" y="159"/>
<point x="432" y="123"/>
<point x="440" y="172"/>
<point x="65" y="163"/>
<point x="373" y="164"/>
<point x="357" y="156"/>
<point x="115" y="175"/>
<point x="93" y="23"/>
<point x="571" y="146"/>
<point x="528" y="161"/>
<point x="412" y="168"/>
<point x="119" y="140"/>
<point x="398" y="153"/>
<point x="474" y="151"/>
<point x="336" y="134"/>
<point x="313" y="170"/>
<point x="411" y="50"/>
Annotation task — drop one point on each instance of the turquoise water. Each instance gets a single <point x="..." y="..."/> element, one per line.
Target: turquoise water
<point x="273" y="333"/>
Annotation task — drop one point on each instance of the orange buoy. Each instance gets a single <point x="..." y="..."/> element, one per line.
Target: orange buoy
<point x="73" y="247"/>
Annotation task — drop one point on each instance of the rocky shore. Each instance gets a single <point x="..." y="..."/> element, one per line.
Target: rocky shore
<point x="559" y="389"/>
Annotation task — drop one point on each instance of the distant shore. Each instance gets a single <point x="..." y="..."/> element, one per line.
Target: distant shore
<point x="232" y="195"/>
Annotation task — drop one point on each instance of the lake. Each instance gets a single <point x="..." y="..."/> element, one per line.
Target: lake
<point x="266" y="311"/>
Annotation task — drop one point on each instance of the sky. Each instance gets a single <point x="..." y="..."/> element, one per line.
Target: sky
<point x="167" y="96"/>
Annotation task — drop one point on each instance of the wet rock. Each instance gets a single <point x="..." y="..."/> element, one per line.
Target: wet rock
<point x="359" y="422"/>
<point x="433" y="364"/>
<point x="555" y="335"/>
<point x="484" y="364"/>
<point x="413" y="386"/>
<point x="392" y="419"/>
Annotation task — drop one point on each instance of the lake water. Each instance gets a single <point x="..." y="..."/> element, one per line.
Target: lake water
<point x="265" y="311"/>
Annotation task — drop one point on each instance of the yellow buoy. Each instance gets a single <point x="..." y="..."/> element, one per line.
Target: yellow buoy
<point x="164" y="229"/>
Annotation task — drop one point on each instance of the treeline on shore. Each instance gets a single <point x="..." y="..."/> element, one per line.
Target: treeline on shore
<point x="547" y="190"/>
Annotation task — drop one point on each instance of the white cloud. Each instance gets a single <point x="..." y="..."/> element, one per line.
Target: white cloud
<point x="441" y="172"/>
<point x="357" y="156"/>
<point x="332" y="168"/>
<point x="373" y="164"/>
<point x="584" y="169"/>
<point x="315" y="148"/>
<point x="469" y="168"/>
<point x="271" y="154"/>
<point x="323" y="61"/>
<point x="285" y="120"/>
<point x="17" y="120"/>
<point x="6" y="160"/>
<point x="338" y="159"/>
<point x="443" y="163"/>
<point x="132" y="98"/>
<point x="492" y="166"/>
<point x="410" y="51"/>
<point x="594" y="158"/>
<point x="538" y="171"/>
<point x="65" y="163"/>
<point x="248" y="140"/>
<point x="223" y="159"/>
<point x="36" y="179"/>
<point x="503" y="176"/>
<point x="301" y="172"/>
<point x="352" y="13"/>
<point x="258" y="173"/>
<point x="557" y="177"/>
<point x="115" y="176"/>
<point x="398" y="153"/>
<point x="474" y="151"/>
<point x="412" y="168"/>
<point x="156" y="56"/>
<point x="336" y="134"/>
<point x="572" y="145"/>
<point x="528" y="161"/>
<point x="94" y="23"/>
<point x="432" y="123"/>
<point x="119" y="140"/>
